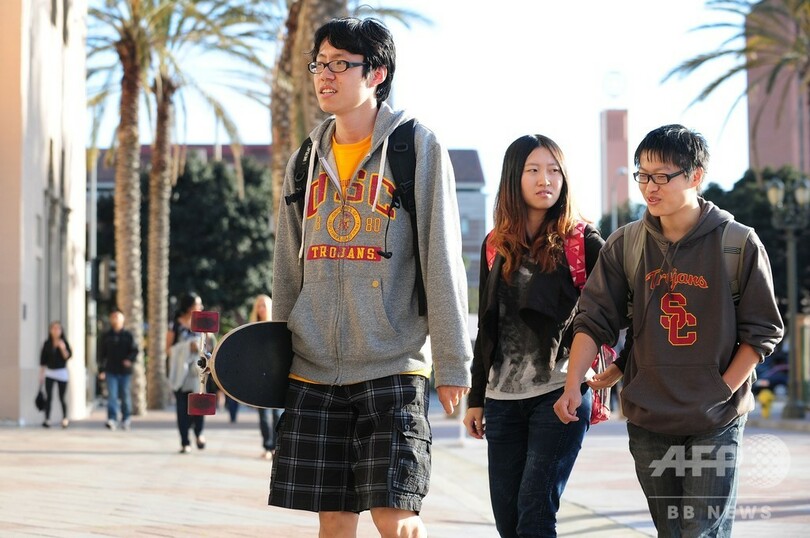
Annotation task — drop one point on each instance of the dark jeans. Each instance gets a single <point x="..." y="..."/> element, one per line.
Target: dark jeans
<point x="232" y="406"/>
<point x="268" y="425"/>
<point x="531" y="455"/>
<point x="690" y="481"/>
<point x="49" y="382"/>
<point x="186" y="421"/>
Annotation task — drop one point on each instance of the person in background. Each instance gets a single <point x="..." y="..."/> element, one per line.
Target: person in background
<point x="268" y="418"/>
<point x="344" y="280"/>
<point x="183" y="349"/>
<point x="526" y="303"/>
<point x="53" y="370"/>
<point x="233" y="408"/>
<point x="687" y="379"/>
<point x="116" y="355"/>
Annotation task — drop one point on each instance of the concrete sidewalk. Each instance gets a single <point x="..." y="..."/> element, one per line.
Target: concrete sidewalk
<point x="89" y="481"/>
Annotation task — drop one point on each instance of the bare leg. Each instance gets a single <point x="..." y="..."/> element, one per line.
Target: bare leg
<point x="396" y="523"/>
<point x="338" y="524"/>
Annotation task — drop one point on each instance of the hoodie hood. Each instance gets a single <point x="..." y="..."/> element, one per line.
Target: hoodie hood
<point x="711" y="218"/>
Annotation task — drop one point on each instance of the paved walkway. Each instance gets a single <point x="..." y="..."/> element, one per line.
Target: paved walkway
<point x="88" y="481"/>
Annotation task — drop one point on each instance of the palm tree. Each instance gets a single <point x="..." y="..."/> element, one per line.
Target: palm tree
<point x="147" y="36"/>
<point x="230" y="28"/>
<point x="771" y="45"/>
<point x="124" y="26"/>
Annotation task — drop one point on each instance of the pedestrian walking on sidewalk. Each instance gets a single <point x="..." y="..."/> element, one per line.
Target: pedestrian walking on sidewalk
<point x="53" y="370"/>
<point x="116" y="355"/>
<point x="687" y="381"/>
<point x="527" y="298"/>
<point x="183" y="349"/>
<point x="345" y="281"/>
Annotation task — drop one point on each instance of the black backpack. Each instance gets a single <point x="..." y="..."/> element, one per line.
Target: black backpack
<point x="402" y="156"/>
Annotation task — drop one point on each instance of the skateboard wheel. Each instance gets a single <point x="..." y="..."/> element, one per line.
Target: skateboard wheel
<point x="202" y="404"/>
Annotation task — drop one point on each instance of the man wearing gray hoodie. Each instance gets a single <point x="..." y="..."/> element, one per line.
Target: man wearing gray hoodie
<point x="354" y="435"/>
<point x="687" y="382"/>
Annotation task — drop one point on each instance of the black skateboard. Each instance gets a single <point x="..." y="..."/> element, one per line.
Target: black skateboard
<point x="251" y="363"/>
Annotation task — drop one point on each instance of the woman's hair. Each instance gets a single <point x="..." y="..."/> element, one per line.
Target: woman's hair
<point x="509" y="235"/>
<point x="254" y="312"/>
<point x="185" y="303"/>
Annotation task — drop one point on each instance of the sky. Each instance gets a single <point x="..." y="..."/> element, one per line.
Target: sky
<point x="484" y="73"/>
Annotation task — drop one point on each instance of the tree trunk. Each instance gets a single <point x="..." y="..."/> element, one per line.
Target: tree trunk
<point x="160" y="188"/>
<point x="294" y="107"/>
<point x="307" y="112"/>
<point x="281" y="92"/>
<point x="127" y="200"/>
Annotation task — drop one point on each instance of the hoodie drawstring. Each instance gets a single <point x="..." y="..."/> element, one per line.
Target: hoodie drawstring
<point x="380" y="174"/>
<point x="307" y="190"/>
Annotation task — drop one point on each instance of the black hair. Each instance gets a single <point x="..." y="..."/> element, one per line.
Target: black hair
<point x="185" y="302"/>
<point x="368" y="37"/>
<point x="675" y="144"/>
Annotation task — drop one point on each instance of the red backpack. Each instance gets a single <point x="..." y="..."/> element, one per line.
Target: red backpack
<point x="574" y="245"/>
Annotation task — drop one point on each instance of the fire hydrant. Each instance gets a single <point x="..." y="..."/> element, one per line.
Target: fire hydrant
<point x="765" y="398"/>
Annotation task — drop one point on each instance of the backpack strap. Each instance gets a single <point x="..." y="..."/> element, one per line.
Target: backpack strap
<point x="735" y="236"/>
<point x="300" y="175"/>
<point x="574" y="245"/>
<point x="402" y="157"/>
<point x="634" y="236"/>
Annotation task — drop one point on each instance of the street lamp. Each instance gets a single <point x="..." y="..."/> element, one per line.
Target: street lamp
<point x="791" y="214"/>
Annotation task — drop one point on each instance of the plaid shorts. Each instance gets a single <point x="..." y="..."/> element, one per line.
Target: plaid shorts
<point x="353" y="447"/>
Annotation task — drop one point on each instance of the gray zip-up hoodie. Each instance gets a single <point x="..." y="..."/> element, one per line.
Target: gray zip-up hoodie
<point x="684" y="323"/>
<point x="353" y="313"/>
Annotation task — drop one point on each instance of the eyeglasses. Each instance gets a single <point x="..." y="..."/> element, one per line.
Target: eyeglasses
<point x="658" y="179"/>
<point x="335" y="66"/>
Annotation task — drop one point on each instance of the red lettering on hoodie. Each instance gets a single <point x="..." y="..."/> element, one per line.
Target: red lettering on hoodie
<point x="676" y="319"/>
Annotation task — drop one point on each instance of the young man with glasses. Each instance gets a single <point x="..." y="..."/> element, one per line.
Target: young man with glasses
<point x="354" y="435"/>
<point x="687" y="382"/>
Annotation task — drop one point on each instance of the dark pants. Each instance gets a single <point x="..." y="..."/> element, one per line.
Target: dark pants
<point x="531" y="455"/>
<point x="186" y="421"/>
<point x="49" y="382"/>
<point x="268" y="421"/>
<point x="690" y="481"/>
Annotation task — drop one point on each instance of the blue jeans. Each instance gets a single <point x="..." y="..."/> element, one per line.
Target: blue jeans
<point x="118" y="385"/>
<point x="531" y="455"/>
<point x="690" y="481"/>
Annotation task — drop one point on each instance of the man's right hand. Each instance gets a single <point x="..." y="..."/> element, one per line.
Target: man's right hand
<point x="567" y="405"/>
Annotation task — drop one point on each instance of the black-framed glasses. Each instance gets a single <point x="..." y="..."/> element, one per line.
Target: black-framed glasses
<point x="658" y="179"/>
<point x="335" y="66"/>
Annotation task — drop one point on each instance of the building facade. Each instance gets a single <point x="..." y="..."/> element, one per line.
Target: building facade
<point x="615" y="171"/>
<point x="42" y="210"/>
